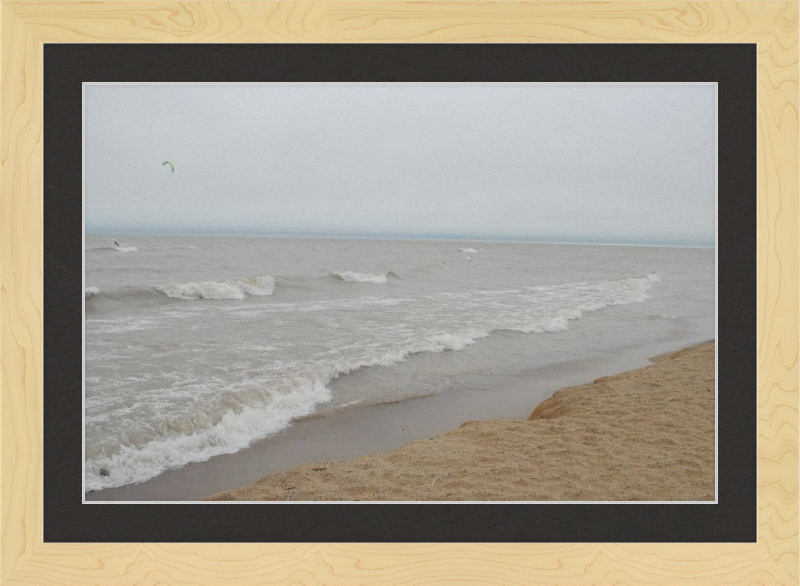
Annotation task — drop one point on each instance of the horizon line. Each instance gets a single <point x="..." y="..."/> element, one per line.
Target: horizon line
<point x="129" y="231"/>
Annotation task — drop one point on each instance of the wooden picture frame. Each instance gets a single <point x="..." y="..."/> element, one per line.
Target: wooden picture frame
<point x="24" y="29"/>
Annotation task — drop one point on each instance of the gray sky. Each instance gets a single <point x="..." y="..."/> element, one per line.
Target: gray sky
<point x="579" y="163"/>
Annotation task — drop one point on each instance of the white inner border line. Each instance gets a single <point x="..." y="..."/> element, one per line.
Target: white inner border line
<point x="716" y="307"/>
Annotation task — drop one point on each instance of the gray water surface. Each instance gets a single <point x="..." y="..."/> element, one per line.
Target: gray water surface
<point x="199" y="346"/>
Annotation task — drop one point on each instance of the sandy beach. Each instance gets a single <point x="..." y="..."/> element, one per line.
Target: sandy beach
<point x="642" y="435"/>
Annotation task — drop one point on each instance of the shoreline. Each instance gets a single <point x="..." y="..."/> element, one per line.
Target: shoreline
<point x="362" y="430"/>
<point x="641" y="435"/>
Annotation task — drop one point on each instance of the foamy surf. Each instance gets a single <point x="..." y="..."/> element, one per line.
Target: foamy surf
<point x="91" y="291"/>
<point x="216" y="434"/>
<point x="181" y="416"/>
<point x="229" y="289"/>
<point x="198" y="438"/>
<point x="374" y="278"/>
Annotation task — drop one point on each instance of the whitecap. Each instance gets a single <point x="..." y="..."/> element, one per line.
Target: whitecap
<point x="352" y="277"/>
<point x="229" y="289"/>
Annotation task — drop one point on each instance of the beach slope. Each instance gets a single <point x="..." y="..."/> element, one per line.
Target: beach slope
<point x="643" y="435"/>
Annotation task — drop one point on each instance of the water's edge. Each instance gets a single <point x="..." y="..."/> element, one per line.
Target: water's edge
<point x="361" y="430"/>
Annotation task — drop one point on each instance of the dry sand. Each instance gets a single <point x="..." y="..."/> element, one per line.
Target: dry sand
<point x="647" y="434"/>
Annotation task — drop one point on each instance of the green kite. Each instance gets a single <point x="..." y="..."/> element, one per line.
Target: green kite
<point x="171" y="165"/>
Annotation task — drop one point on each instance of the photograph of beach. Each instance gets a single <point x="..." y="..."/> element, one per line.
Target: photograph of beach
<point x="399" y="292"/>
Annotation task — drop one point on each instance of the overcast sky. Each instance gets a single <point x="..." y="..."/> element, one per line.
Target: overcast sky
<point x="560" y="162"/>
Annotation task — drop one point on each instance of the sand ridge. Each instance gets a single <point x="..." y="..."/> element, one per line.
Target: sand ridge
<point x="647" y="434"/>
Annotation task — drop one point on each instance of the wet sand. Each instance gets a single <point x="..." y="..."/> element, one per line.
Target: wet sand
<point x="360" y="431"/>
<point x="643" y="435"/>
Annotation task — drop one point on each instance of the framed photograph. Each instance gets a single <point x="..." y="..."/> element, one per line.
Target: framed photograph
<point x="79" y="76"/>
<point x="324" y="271"/>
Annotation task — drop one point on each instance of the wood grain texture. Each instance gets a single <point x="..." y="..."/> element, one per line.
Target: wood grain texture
<point x="25" y="559"/>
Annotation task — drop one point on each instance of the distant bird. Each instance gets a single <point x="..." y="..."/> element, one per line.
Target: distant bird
<point x="116" y="243"/>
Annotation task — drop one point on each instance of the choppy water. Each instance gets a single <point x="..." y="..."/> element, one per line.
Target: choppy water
<point x="199" y="346"/>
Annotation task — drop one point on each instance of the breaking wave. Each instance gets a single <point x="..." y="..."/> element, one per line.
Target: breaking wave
<point x="374" y="278"/>
<point x="219" y="431"/>
<point x="229" y="289"/>
<point x="223" y="416"/>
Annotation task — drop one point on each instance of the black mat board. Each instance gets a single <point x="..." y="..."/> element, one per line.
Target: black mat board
<point x="67" y="66"/>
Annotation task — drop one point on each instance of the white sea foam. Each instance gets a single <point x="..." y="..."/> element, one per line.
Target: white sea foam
<point x="468" y="250"/>
<point x="375" y="278"/>
<point x="126" y="248"/>
<point x="230" y="289"/>
<point x="231" y="432"/>
<point x="242" y="413"/>
<point x="120" y="325"/>
<point x="229" y="418"/>
<point x="90" y="291"/>
<point x="150" y="449"/>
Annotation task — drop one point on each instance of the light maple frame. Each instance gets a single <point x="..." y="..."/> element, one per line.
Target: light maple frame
<point x="26" y="26"/>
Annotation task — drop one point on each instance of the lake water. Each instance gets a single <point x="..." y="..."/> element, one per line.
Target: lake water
<point x="199" y="346"/>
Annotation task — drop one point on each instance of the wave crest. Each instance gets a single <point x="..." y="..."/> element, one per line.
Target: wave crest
<point x="221" y="432"/>
<point x="374" y="278"/>
<point x="229" y="289"/>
